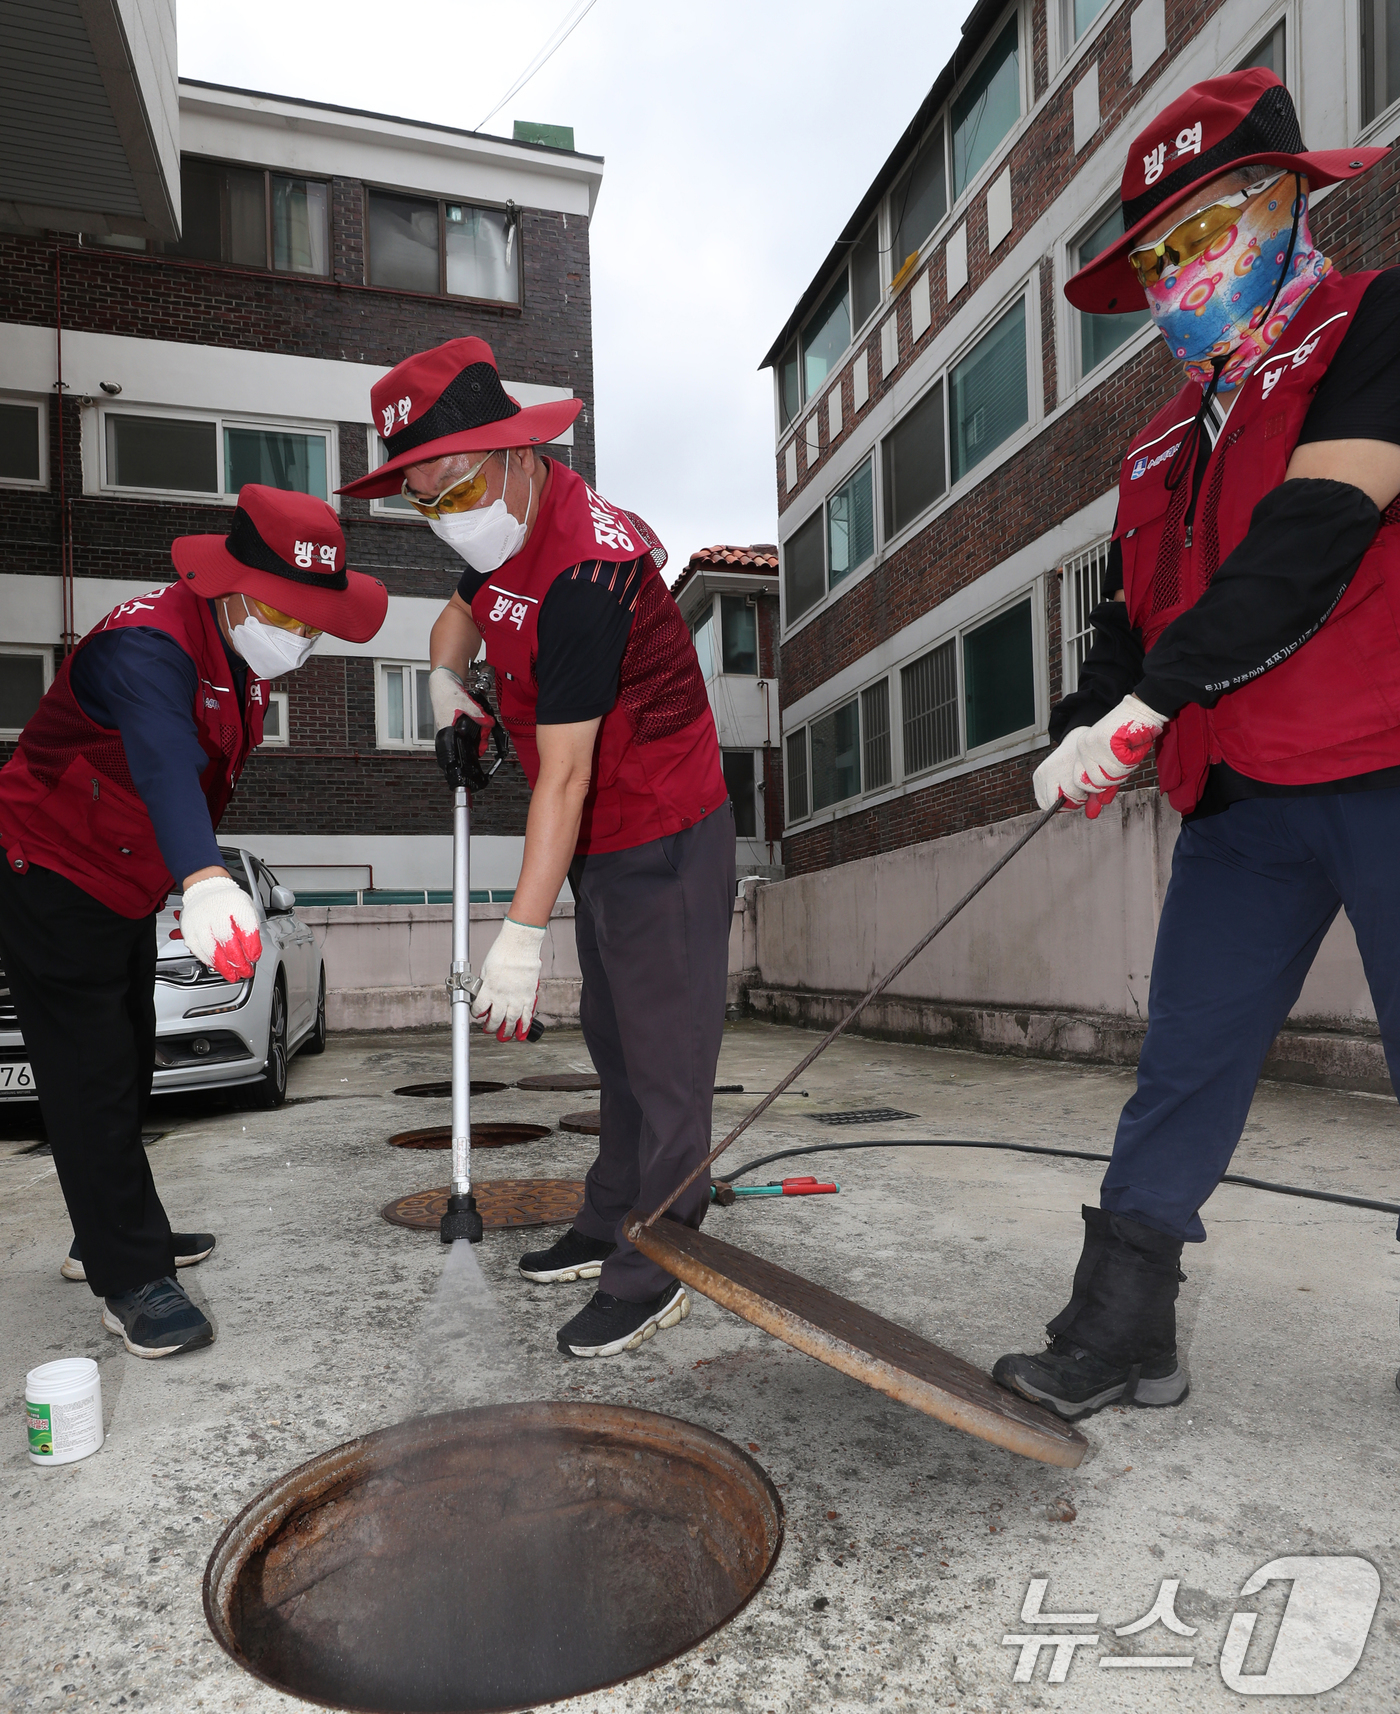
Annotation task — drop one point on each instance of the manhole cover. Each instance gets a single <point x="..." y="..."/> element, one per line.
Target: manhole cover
<point x="484" y="1136"/>
<point x="480" y="1086"/>
<point x="587" y="1122"/>
<point x="866" y="1116"/>
<point x="492" y="1559"/>
<point x="502" y="1202"/>
<point x="562" y="1082"/>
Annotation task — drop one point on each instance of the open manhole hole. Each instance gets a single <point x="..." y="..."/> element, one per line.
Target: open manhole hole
<point x="562" y="1082"/>
<point x="480" y="1086"/>
<point x="586" y="1122"/>
<point x="492" y="1559"/>
<point x="484" y="1136"/>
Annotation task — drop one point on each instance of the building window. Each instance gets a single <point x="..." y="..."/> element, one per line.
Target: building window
<point x="1079" y="14"/>
<point x="25" y="674"/>
<point x="253" y="218"/>
<point x="1101" y="335"/>
<point x="21" y="443"/>
<point x="739" y="778"/>
<point x="988" y="398"/>
<point x="445" y="249"/>
<point x="836" y="755"/>
<point x="999" y="676"/>
<point x="405" y="712"/>
<point x="920" y="199"/>
<point x="804" y="567"/>
<point x="796" y="771"/>
<point x="1081" y="590"/>
<point x="986" y="109"/>
<point x="928" y="695"/>
<point x="704" y="638"/>
<point x="275" y="720"/>
<point x="212" y="456"/>
<point x="738" y="624"/>
<point x="913" y="462"/>
<point x="865" y="275"/>
<point x="825" y="338"/>
<point x="1380" y="56"/>
<point x="388" y="505"/>
<point x="875" y="735"/>
<point x="850" y="524"/>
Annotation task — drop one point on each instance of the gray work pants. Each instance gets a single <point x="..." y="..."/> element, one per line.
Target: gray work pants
<point x="652" y="926"/>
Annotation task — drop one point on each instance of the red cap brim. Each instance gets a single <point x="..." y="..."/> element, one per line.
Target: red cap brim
<point x="535" y="425"/>
<point x="1110" y="286"/>
<point x="353" y="614"/>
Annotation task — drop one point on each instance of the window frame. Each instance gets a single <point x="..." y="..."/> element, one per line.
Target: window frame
<point x="28" y="651"/>
<point x="379" y="507"/>
<point x="755" y="760"/>
<point x="1381" y="120"/>
<point x="750" y="602"/>
<point x="269" y="741"/>
<point x="30" y="484"/>
<point x="512" y="212"/>
<point x="266" y="266"/>
<point x="803" y="728"/>
<point x="1073" y="356"/>
<point x="408" y="744"/>
<point x="1261" y="33"/>
<point x="95" y="460"/>
<point x="959" y="201"/>
<point x="1074" y="625"/>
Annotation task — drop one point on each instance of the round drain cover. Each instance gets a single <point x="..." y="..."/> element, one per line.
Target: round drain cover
<point x="561" y="1082"/>
<point x="586" y="1123"/>
<point x="485" y="1136"/>
<point x="502" y="1203"/>
<point x="480" y="1086"/>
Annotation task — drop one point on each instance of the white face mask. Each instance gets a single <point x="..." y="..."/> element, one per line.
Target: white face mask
<point x="488" y="536"/>
<point x="269" y="650"/>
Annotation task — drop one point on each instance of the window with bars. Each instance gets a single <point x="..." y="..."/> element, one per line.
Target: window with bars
<point x="835" y="739"/>
<point x="1081" y="590"/>
<point x="928" y="694"/>
<point x="875" y="735"/>
<point x="1380" y="56"/>
<point x="797" y="775"/>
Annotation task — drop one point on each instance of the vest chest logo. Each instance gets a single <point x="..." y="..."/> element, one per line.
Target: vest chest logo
<point x="510" y="607"/>
<point x="211" y="702"/>
<point x="138" y="604"/>
<point x="609" y="531"/>
<point x="1143" y="465"/>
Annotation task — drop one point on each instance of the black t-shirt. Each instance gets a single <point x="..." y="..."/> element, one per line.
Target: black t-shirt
<point x="1231" y="630"/>
<point x="584" y="625"/>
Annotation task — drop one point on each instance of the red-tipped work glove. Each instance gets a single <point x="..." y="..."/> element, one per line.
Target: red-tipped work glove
<point x="220" y="927"/>
<point x="449" y="697"/>
<point x="1092" y="762"/>
<point x="510" y="982"/>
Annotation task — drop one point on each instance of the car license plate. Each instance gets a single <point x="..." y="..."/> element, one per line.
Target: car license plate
<point x="16" y="1078"/>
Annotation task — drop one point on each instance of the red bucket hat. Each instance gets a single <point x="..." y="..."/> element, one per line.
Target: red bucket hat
<point x="1226" y="122"/>
<point x="450" y="399"/>
<point x="287" y="550"/>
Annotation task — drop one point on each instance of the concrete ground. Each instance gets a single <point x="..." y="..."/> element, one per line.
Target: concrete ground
<point x="910" y="1547"/>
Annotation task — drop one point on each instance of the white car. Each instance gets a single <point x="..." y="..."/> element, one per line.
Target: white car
<point x="212" y="1034"/>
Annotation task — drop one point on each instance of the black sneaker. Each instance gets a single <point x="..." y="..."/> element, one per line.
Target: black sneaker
<point x="190" y="1247"/>
<point x="574" y="1257"/>
<point x="156" y="1320"/>
<point x="608" y="1325"/>
<point x="1073" y="1382"/>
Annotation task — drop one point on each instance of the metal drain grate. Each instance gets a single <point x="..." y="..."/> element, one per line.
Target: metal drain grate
<point x="866" y="1116"/>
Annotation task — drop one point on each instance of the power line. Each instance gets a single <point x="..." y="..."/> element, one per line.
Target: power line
<point x="555" y="42"/>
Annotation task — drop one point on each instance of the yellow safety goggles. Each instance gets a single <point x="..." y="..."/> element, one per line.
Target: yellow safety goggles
<point x="1193" y="236"/>
<point x="459" y="496"/>
<point x="283" y="621"/>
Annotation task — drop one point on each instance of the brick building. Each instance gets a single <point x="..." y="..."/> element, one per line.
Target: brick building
<point x="145" y="379"/>
<point x="729" y="598"/>
<point x="949" y="428"/>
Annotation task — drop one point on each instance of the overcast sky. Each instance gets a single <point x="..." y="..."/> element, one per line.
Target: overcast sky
<point x="738" y="135"/>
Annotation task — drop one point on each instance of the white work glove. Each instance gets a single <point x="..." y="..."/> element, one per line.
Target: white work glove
<point x="220" y="927"/>
<point x="449" y="697"/>
<point x="1093" y="761"/>
<point x="510" y="982"/>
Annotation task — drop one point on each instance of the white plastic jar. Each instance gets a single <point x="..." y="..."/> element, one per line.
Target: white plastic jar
<point x="63" y="1405"/>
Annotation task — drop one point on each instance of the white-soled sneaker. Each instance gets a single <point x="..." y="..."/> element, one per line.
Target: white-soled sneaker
<point x="607" y="1325"/>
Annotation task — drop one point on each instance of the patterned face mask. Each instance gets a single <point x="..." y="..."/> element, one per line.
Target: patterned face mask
<point x="1219" y="304"/>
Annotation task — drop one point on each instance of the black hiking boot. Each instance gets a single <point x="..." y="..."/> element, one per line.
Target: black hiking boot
<point x="1115" y="1340"/>
<point x="607" y="1325"/>
<point x="572" y="1257"/>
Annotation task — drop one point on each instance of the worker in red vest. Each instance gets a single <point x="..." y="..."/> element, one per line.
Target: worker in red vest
<point x="1250" y="636"/>
<point x="604" y="699"/>
<point x="116" y="788"/>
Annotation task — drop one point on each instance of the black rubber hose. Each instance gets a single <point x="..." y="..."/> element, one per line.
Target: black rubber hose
<point x="1063" y="1154"/>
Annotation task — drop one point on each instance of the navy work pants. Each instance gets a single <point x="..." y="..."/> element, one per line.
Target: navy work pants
<point x="1253" y="891"/>
<point x="652" y="926"/>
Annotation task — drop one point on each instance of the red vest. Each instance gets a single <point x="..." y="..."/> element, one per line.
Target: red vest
<point x="1332" y="708"/>
<point x="656" y="766"/>
<point x="67" y="801"/>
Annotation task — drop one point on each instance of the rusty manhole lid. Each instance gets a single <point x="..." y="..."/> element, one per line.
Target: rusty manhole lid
<point x="480" y="1086"/>
<point x="502" y="1202"/>
<point x="561" y="1082"/>
<point x="492" y="1559"/>
<point x="484" y="1136"/>
<point x="586" y="1122"/>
